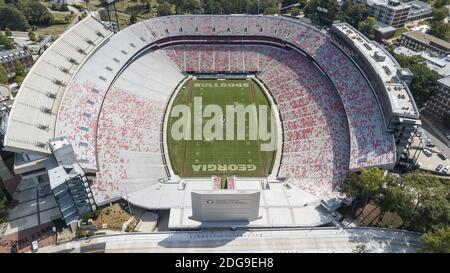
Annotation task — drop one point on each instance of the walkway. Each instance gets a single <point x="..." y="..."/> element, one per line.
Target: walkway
<point x="287" y="240"/>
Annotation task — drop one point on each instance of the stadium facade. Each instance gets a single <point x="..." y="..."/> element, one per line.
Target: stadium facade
<point x="341" y="100"/>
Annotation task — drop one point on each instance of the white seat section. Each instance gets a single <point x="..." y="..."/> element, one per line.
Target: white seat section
<point x="37" y="102"/>
<point x="130" y="125"/>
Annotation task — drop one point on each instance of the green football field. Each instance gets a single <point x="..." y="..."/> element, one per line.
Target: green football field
<point x="207" y="157"/>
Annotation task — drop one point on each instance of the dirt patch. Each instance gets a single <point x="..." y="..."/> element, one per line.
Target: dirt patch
<point x="111" y="217"/>
<point x="371" y="216"/>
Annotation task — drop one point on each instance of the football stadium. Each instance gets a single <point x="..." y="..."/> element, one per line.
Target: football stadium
<point x="225" y="120"/>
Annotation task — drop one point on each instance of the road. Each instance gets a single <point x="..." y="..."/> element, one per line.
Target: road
<point x="441" y="146"/>
<point x="274" y="240"/>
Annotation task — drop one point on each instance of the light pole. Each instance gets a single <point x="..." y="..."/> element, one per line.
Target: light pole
<point x="127" y="197"/>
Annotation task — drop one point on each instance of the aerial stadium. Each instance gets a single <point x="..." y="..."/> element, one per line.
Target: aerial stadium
<point x="142" y="115"/>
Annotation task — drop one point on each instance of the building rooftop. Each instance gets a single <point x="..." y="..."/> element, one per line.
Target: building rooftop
<point x="281" y="205"/>
<point x="393" y="4"/>
<point x="419" y="7"/>
<point x="427" y="39"/>
<point x="387" y="69"/>
<point x="437" y="63"/>
<point x="445" y="81"/>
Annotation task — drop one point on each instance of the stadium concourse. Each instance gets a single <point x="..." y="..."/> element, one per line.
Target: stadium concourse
<point x="109" y="95"/>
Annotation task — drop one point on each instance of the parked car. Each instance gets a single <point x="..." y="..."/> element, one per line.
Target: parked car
<point x="445" y="170"/>
<point x="34" y="246"/>
<point x="428" y="143"/>
<point x="427" y="152"/>
<point x="442" y="156"/>
<point x="439" y="167"/>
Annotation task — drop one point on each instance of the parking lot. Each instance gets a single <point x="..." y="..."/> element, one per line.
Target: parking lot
<point x="429" y="156"/>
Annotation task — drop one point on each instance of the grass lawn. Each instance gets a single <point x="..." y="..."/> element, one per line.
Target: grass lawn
<point x="55" y="30"/>
<point x="206" y="157"/>
<point x="129" y="7"/>
<point x="400" y="31"/>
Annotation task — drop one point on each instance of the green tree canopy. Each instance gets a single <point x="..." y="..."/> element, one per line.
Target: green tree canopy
<point x="271" y="10"/>
<point x="189" y="7"/>
<point x="436" y="242"/>
<point x="440" y="14"/>
<point x="224" y="6"/>
<point x="441" y="3"/>
<point x="302" y="3"/>
<point x="35" y="12"/>
<point x="352" y="14"/>
<point x="424" y="82"/>
<point x="428" y="207"/>
<point x="368" y="27"/>
<point x="365" y="185"/>
<point x="393" y="197"/>
<point x="295" y="11"/>
<point x="3" y="78"/>
<point x="164" y="9"/>
<point x="6" y="42"/>
<point x="440" y="30"/>
<point x="32" y="36"/>
<point x="133" y="19"/>
<point x="8" y="32"/>
<point x="20" y="68"/>
<point x="322" y="11"/>
<point x="11" y="18"/>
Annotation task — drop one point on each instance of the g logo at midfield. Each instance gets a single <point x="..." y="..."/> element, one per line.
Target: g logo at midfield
<point x="209" y="201"/>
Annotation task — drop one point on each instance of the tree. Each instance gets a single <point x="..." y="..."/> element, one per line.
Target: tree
<point x="368" y="27"/>
<point x="436" y="242"/>
<point x="8" y="32"/>
<point x="86" y="2"/>
<point x="11" y="18"/>
<point x="428" y="208"/>
<point x="35" y="12"/>
<point x="19" y="79"/>
<point x="441" y="3"/>
<point x="364" y="186"/>
<point x="20" y="68"/>
<point x="392" y="197"/>
<point x="6" y="42"/>
<point x="440" y="30"/>
<point x="164" y="9"/>
<point x="295" y="11"/>
<point x="352" y="14"/>
<point x="189" y="7"/>
<point x="323" y="11"/>
<point x="32" y="36"/>
<point x="424" y="82"/>
<point x="3" y="75"/>
<point x="303" y="3"/>
<point x="133" y="19"/>
<point x="439" y="14"/>
<point x="271" y="10"/>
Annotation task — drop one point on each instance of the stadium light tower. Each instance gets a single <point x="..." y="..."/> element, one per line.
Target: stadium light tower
<point x="108" y="4"/>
